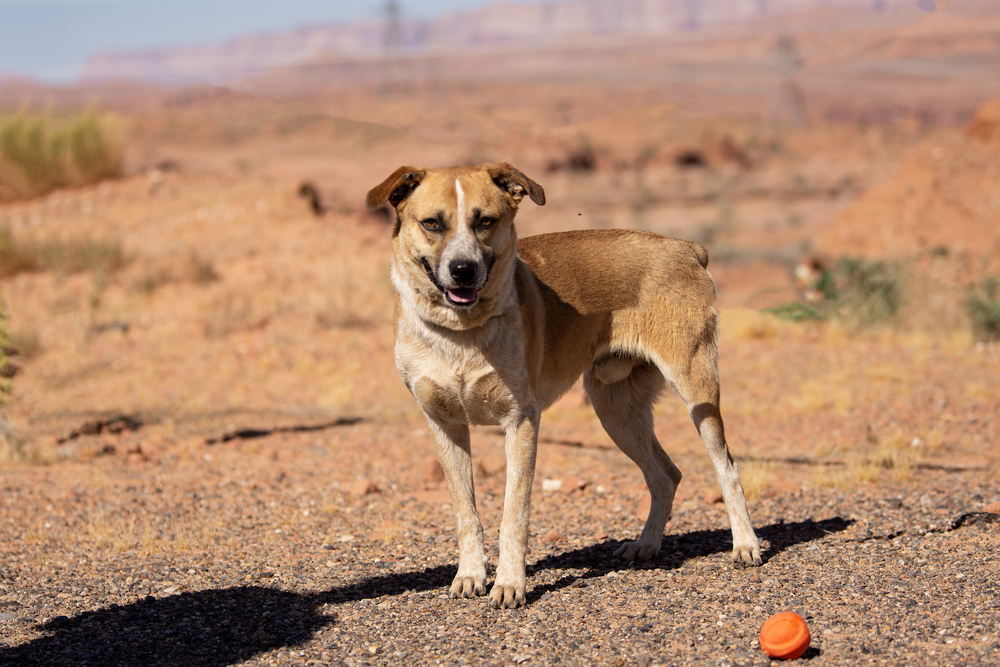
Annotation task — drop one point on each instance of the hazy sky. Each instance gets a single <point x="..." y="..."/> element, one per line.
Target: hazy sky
<point x="51" y="39"/>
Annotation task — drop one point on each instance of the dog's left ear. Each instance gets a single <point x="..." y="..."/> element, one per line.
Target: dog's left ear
<point x="515" y="183"/>
<point x="396" y="188"/>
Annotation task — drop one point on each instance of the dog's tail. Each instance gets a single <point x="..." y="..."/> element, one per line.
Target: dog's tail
<point x="700" y="253"/>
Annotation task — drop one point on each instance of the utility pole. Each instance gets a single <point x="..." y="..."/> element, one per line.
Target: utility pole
<point x="392" y="42"/>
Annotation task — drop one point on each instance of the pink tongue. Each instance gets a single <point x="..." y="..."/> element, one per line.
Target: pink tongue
<point x="462" y="294"/>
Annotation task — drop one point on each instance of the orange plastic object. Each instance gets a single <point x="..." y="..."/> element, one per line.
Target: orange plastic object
<point x="784" y="636"/>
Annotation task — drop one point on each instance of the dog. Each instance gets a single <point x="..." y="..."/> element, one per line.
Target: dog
<point x="491" y="330"/>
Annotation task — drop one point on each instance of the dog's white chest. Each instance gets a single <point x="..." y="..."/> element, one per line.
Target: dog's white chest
<point x="460" y="383"/>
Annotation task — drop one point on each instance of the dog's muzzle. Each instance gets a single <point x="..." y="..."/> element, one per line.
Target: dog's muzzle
<point x="463" y="272"/>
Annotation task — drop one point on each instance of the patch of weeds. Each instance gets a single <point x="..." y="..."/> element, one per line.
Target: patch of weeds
<point x="983" y="306"/>
<point x="11" y="445"/>
<point x="869" y="291"/>
<point x="13" y="260"/>
<point x="193" y="269"/>
<point x="796" y="311"/>
<point x="199" y="270"/>
<point x="50" y="153"/>
<point x="756" y="477"/>
<point x="97" y="284"/>
<point x="28" y="144"/>
<point x="64" y="257"/>
<point x="151" y="280"/>
<point x="230" y="313"/>
<point x="93" y="148"/>
<point x="858" y="291"/>
<point x="27" y="342"/>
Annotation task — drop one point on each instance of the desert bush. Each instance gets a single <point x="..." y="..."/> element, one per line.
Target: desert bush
<point x="28" y="144"/>
<point x="49" y="154"/>
<point x="862" y="292"/>
<point x="983" y="305"/>
<point x="94" y="148"/>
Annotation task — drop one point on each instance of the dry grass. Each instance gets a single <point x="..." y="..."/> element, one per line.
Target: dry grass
<point x="356" y="293"/>
<point x="60" y="256"/>
<point x="388" y="530"/>
<point x="756" y="477"/>
<point x="120" y="533"/>
<point x="229" y="313"/>
<point x="745" y="324"/>
<point x="191" y="268"/>
<point x="27" y="341"/>
<point x="13" y="260"/>
<point x="831" y="477"/>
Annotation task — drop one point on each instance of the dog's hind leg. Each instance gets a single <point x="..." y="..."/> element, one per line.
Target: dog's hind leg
<point x="625" y="408"/>
<point x="454" y="450"/>
<point x="698" y="386"/>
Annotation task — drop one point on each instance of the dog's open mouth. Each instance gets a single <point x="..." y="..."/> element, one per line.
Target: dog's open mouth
<point x="462" y="296"/>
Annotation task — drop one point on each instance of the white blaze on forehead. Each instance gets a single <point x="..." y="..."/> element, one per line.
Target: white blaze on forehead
<point x="462" y="243"/>
<point x="460" y="207"/>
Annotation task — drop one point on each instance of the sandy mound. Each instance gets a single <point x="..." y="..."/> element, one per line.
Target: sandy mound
<point x="944" y="196"/>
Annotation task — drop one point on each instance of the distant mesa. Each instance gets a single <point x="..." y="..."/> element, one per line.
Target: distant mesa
<point x="497" y="27"/>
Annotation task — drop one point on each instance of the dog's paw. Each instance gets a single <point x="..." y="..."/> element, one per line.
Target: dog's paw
<point x="747" y="555"/>
<point x="636" y="551"/>
<point x="507" y="597"/>
<point x="468" y="587"/>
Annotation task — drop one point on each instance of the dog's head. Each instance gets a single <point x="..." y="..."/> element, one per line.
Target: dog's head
<point x="454" y="243"/>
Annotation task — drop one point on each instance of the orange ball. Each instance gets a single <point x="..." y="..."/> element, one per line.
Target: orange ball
<point x="784" y="636"/>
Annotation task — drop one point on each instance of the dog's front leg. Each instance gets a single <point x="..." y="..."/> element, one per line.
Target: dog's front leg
<point x="521" y="445"/>
<point x="455" y="454"/>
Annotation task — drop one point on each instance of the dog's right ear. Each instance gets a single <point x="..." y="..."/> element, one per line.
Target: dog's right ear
<point x="396" y="188"/>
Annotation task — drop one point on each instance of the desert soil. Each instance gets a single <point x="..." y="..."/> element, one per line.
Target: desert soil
<point x="220" y="465"/>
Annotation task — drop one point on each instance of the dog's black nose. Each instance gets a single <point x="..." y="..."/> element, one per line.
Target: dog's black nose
<point x="463" y="271"/>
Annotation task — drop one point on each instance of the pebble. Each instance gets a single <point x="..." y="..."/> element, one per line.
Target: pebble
<point x="363" y="487"/>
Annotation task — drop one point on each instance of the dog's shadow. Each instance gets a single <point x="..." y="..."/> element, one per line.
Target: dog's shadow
<point x="230" y="625"/>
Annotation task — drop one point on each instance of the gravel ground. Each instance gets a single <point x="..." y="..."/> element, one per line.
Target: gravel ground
<point x="269" y="552"/>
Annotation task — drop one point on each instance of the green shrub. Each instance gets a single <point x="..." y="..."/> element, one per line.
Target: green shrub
<point x="94" y="150"/>
<point x="50" y="154"/>
<point x="26" y="143"/>
<point x="983" y="305"/>
<point x="796" y="311"/>
<point x="859" y="291"/>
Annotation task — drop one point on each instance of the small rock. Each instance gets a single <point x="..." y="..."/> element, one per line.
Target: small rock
<point x="712" y="497"/>
<point x="600" y="537"/>
<point x="992" y="508"/>
<point x="553" y="536"/>
<point x="571" y="483"/>
<point x="551" y="484"/>
<point x="363" y="487"/>
<point x="432" y="470"/>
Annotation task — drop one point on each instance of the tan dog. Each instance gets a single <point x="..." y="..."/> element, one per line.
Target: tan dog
<point x="492" y="330"/>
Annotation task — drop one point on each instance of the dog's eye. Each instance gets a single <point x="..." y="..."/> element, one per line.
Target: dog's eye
<point x="486" y="223"/>
<point x="430" y="223"/>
